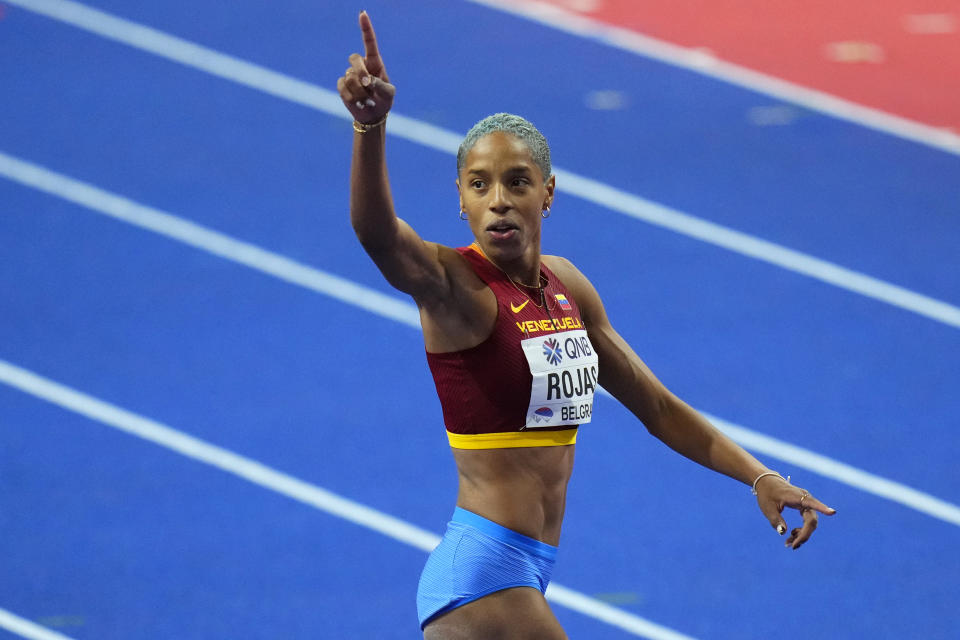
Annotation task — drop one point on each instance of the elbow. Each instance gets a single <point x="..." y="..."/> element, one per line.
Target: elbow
<point x="367" y="237"/>
<point x="658" y="412"/>
<point x="375" y="238"/>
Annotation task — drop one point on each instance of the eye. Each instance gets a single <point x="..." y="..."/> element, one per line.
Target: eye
<point x="520" y="182"/>
<point x="477" y="184"/>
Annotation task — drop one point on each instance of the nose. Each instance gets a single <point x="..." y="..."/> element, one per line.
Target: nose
<point x="500" y="199"/>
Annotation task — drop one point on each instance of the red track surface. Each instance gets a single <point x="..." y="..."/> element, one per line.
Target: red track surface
<point x="899" y="56"/>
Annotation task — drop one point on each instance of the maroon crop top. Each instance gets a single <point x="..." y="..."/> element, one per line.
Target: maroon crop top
<point x="485" y="391"/>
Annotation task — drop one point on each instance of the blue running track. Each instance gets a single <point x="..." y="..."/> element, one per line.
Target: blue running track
<point x="107" y="535"/>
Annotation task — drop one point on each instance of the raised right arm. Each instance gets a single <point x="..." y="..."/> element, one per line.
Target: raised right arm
<point x="407" y="262"/>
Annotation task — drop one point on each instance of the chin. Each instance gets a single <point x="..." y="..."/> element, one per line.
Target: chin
<point x="504" y="250"/>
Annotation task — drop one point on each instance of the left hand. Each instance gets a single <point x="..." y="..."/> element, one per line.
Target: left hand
<point x="775" y="493"/>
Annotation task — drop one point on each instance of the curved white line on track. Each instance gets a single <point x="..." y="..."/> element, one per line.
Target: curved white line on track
<point x="284" y="484"/>
<point x="288" y="88"/>
<point x="26" y="629"/>
<point x="404" y="312"/>
<point x="696" y="61"/>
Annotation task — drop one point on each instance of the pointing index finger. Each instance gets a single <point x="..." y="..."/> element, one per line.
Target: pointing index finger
<point x="370" y="50"/>
<point x="812" y="503"/>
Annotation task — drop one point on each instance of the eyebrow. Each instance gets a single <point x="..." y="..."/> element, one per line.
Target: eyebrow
<point x="515" y="169"/>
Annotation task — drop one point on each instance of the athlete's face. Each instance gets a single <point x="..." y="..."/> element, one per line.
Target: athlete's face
<point x="503" y="192"/>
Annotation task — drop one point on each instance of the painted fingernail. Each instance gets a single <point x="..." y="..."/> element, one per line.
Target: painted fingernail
<point x="781" y="529"/>
<point x="359" y="104"/>
<point x="370" y="103"/>
<point x="365" y="81"/>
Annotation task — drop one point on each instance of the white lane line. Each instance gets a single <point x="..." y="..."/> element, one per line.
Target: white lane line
<point x="26" y="629"/>
<point x="206" y="239"/>
<point x="698" y="62"/>
<point x="871" y="483"/>
<point x="284" y="484"/>
<point x="753" y="247"/>
<point x="404" y="312"/>
<point x="287" y="88"/>
<point x="611" y="615"/>
<point x="227" y="67"/>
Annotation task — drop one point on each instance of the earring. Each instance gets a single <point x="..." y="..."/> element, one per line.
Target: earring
<point x="545" y="213"/>
<point x="463" y="214"/>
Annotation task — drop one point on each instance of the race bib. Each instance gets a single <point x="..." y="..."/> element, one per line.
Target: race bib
<point x="564" y="367"/>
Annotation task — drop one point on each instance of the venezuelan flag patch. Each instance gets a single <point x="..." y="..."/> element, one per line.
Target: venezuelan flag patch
<point x="564" y="303"/>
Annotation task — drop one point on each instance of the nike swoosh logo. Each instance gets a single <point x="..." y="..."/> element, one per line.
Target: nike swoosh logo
<point x="517" y="309"/>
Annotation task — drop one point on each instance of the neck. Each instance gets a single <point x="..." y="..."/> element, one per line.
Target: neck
<point x="522" y="273"/>
<point x="523" y="270"/>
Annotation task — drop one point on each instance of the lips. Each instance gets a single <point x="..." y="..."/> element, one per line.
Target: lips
<point x="502" y="230"/>
<point x="502" y="226"/>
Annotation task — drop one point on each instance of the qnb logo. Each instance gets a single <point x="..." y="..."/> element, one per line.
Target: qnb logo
<point x="552" y="352"/>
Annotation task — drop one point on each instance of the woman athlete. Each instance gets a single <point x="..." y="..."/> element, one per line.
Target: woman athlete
<point x="515" y="340"/>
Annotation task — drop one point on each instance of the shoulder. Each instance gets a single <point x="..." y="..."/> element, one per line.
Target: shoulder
<point x="583" y="291"/>
<point x="458" y="277"/>
<point x="461" y="273"/>
<point x="463" y="295"/>
<point x="571" y="277"/>
<point x="462" y="314"/>
<point x="562" y="267"/>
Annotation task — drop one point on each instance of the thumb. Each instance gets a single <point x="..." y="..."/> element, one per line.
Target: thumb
<point x="772" y="512"/>
<point x="380" y="88"/>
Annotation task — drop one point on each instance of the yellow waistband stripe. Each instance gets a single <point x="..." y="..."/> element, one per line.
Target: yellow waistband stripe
<point x="512" y="439"/>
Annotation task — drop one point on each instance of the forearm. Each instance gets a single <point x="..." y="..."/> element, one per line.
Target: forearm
<point x="406" y="261"/>
<point x="687" y="432"/>
<point x="371" y="204"/>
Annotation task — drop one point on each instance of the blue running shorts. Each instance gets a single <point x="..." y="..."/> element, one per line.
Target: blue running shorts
<point x="477" y="557"/>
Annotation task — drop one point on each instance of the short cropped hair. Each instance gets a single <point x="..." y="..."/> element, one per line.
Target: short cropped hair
<point x="514" y="125"/>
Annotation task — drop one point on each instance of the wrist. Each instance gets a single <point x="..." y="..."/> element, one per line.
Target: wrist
<point x="364" y="127"/>
<point x="766" y="474"/>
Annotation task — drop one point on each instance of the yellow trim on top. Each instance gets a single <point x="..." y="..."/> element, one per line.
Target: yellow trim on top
<point x="512" y="439"/>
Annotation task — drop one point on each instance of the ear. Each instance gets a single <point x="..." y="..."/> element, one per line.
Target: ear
<point x="459" y="192"/>
<point x="549" y="186"/>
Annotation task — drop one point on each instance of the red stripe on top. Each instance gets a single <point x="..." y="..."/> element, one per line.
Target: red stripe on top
<point x="486" y="389"/>
<point x="899" y="57"/>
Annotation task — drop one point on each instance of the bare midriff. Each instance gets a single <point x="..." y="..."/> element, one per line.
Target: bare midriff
<point x="524" y="489"/>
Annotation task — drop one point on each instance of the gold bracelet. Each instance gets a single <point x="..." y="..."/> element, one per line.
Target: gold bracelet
<point x="361" y="127"/>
